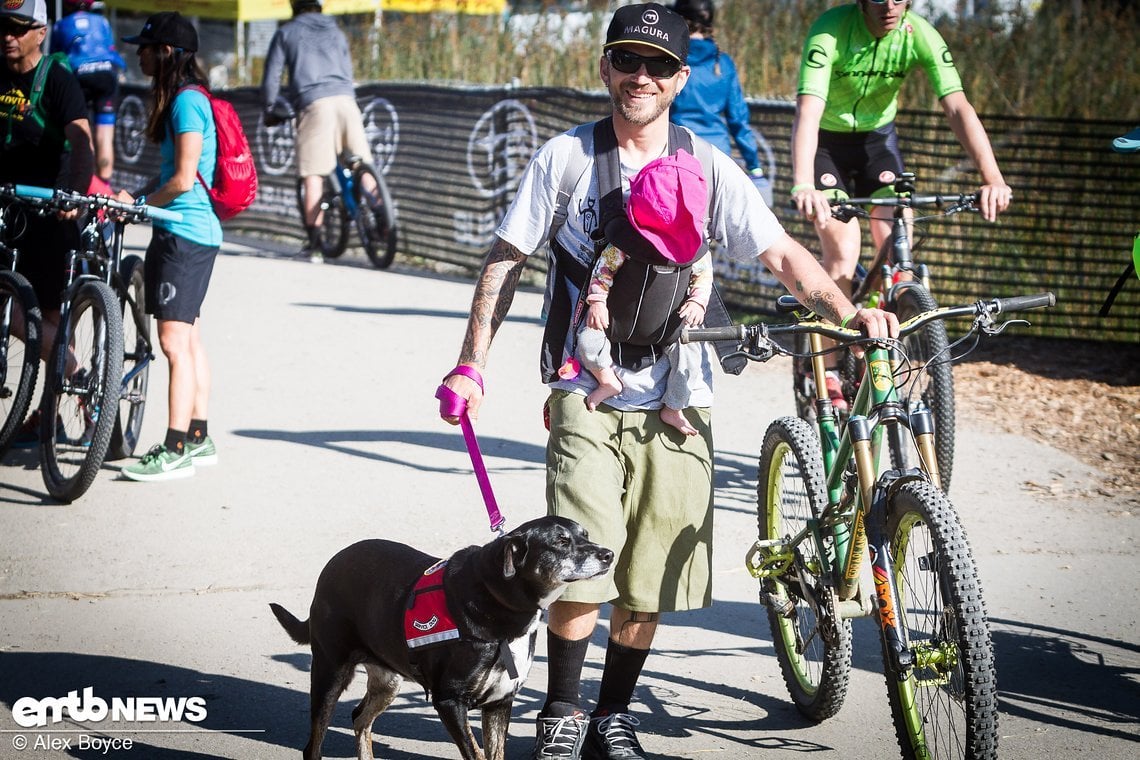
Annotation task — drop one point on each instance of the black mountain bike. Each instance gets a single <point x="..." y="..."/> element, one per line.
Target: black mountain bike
<point x="896" y="282"/>
<point x="346" y="201"/>
<point x="20" y="326"/>
<point x="95" y="387"/>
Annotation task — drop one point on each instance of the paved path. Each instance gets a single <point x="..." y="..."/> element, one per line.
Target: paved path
<point x="327" y="431"/>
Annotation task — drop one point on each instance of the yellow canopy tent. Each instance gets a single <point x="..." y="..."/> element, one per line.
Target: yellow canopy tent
<point x="256" y="10"/>
<point x="241" y="12"/>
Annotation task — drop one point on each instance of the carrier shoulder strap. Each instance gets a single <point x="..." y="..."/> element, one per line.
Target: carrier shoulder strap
<point x="581" y="155"/>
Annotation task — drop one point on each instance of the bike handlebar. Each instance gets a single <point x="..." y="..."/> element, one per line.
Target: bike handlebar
<point x="756" y="334"/>
<point x="67" y="200"/>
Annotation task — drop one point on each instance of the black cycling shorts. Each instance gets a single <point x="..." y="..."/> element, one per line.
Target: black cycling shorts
<point x="858" y="163"/>
<point x="177" y="275"/>
<point x="44" y="246"/>
<point x="101" y="89"/>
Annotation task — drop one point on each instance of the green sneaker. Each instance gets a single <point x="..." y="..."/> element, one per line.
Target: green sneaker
<point x="160" y="464"/>
<point x="203" y="454"/>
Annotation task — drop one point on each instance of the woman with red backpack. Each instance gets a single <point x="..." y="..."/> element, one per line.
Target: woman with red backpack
<point x="180" y="257"/>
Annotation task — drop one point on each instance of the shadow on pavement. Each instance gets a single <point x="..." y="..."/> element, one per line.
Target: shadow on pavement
<point x="261" y="712"/>
<point x="1064" y="677"/>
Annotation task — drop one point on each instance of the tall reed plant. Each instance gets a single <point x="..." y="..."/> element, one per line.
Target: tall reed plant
<point x="1065" y="60"/>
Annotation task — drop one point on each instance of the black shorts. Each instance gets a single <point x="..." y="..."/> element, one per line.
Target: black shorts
<point x="858" y="163"/>
<point x="101" y="89"/>
<point x="44" y="247"/>
<point x="177" y="276"/>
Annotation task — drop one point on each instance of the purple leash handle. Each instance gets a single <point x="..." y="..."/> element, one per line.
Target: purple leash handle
<point x="451" y="404"/>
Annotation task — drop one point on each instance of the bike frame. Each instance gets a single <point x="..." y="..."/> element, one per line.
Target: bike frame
<point x="855" y="515"/>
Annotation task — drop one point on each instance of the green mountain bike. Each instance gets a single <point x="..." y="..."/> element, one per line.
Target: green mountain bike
<point x="828" y="500"/>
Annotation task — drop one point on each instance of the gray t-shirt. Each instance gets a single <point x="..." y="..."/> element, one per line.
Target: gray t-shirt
<point x="741" y="224"/>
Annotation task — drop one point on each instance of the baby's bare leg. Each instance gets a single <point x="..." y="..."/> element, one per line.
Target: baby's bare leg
<point x="608" y="387"/>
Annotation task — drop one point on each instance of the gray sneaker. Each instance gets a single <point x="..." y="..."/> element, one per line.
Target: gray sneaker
<point x="204" y="453"/>
<point x="611" y="737"/>
<point x="559" y="737"/>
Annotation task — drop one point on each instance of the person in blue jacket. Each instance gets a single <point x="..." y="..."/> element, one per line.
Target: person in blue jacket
<point x="712" y="103"/>
<point x="87" y="39"/>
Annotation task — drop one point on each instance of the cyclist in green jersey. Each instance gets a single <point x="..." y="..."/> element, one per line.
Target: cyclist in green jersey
<point x="844" y="142"/>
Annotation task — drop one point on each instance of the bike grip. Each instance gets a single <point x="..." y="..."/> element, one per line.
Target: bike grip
<point x="31" y="191"/>
<point x="1021" y="303"/>
<point x="162" y="214"/>
<point x="729" y="332"/>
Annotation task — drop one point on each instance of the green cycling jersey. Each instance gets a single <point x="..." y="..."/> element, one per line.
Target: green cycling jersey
<point x="859" y="76"/>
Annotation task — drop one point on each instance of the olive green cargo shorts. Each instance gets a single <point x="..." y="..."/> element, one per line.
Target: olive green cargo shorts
<point x="641" y="488"/>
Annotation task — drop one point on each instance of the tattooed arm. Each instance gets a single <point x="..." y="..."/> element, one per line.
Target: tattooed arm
<point x="494" y="293"/>
<point x="795" y="267"/>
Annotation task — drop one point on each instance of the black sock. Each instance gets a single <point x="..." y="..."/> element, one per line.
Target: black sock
<point x="197" y="431"/>
<point x="565" y="659"/>
<point x="623" y="668"/>
<point x="314" y="237"/>
<point x="175" y="440"/>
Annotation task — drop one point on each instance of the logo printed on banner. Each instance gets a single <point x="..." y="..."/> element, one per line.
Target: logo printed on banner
<point x="496" y="157"/>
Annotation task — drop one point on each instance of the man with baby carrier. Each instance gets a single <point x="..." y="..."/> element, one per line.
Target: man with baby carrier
<point x="640" y="485"/>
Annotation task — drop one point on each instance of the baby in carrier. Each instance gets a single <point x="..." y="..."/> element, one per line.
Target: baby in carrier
<point x="667" y="205"/>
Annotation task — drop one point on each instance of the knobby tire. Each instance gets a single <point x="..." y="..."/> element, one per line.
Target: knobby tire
<point x="335" y="222"/>
<point x="944" y="708"/>
<point x="935" y="383"/>
<point x="375" y="218"/>
<point x="21" y="358"/>
<point x="137" y="355"/>
<point x="791" y="489"/>
<point x="80" y="407"/>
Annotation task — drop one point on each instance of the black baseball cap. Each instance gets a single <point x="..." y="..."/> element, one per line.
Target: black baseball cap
<point x="650" y="24"/>
<point x="167" y="28"/>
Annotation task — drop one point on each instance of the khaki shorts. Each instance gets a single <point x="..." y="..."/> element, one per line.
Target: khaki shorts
<point x="334" y="121"/>
<point x="642" y="489"/>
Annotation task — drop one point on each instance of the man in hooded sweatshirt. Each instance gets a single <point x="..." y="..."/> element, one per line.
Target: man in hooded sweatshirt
<point x="314" y="51"/>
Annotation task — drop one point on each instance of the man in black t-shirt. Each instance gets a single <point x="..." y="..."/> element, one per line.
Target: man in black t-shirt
<point x="49" y="146"/>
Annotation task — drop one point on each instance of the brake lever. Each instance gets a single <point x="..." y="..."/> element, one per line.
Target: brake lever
<point x="998" y="328"/>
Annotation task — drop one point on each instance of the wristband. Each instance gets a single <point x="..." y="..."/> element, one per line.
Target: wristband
<point x="796" y="188"/>
<point x="140" y="201"/>
<point x="467" y="371"/>
<point x="843" y="322"/>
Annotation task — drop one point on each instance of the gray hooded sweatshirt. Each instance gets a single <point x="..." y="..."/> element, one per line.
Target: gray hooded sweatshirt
<point x="315" y="52"/>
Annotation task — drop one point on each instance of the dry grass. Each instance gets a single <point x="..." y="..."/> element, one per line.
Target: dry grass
<point x="1048" y="64"/>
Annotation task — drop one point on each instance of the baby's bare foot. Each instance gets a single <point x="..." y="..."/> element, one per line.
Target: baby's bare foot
<point x="676" y="418"/>
<point x="608" y="387"/>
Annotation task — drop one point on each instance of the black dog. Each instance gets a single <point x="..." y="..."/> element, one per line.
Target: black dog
<point x="494" y="594"/>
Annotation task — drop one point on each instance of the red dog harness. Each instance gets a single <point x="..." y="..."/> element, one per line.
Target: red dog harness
<point x="427" y="621"/>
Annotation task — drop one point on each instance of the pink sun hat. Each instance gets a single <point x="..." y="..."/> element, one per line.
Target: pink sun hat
<point x="667" y="203"/>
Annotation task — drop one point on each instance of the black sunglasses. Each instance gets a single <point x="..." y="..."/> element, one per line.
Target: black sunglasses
<point x="662" y="67"/>
<point x="15" y="30"/>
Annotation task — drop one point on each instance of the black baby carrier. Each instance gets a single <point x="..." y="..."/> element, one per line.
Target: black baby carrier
<point x="647" y="290"/>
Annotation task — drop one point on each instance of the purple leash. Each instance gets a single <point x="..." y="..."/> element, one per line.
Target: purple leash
<point x="451" y="404"/>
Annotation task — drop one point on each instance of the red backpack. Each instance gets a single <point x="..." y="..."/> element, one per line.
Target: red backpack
<point x="235" y="176"/>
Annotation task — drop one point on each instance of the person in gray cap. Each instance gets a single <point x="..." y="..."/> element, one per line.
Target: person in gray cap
<point x="638" y="485"/>
<point x="45" y="140"/>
